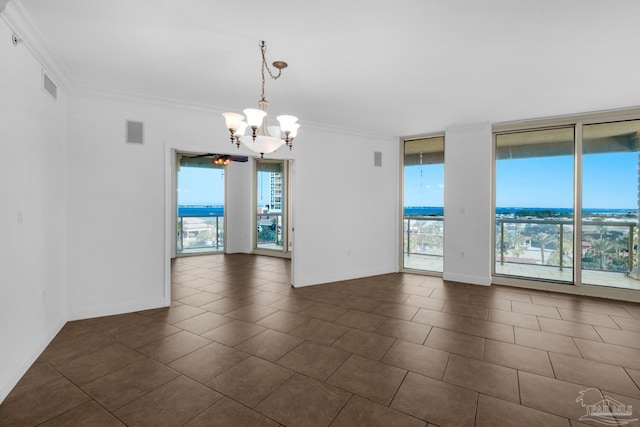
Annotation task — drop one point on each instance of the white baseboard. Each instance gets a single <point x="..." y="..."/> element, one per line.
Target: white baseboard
<point x="118" y="308"/>
<point x="465" y="278"/>
<point x="29" y="359"/>
<point x="336" y="277"/>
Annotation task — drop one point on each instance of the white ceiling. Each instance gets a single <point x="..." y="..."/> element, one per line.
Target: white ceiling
<point x="395" y="68"/>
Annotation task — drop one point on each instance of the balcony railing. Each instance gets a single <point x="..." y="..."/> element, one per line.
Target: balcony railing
<point x="423" y="235"/>
<point x="270" y="231"/>
<point x="605" y="245"/>
<point x="200" y="233"/>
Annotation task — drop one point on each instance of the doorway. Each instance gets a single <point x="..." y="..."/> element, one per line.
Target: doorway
<point x="200" y="213"/>
<point x="423" y="204"/>
<point x="273" y="207"/>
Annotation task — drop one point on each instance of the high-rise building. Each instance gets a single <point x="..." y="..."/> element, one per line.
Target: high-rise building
<point x="275" y="191"/>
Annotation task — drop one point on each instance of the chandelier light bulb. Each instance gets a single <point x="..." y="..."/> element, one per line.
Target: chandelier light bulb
<point x="287" y="122"/>
<point x="242" y="127"/>
<point x="264" y="139"/>
<point x="233" y="120"/>
<point x="254" y="116"/>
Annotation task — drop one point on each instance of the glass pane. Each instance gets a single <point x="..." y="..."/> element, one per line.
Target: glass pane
<point x="534" y="204"/>
<point x="423" y="235"/>
<point x="271" y="204"/>
<point x="610" y="204"/>
<point x="200" y="205"/>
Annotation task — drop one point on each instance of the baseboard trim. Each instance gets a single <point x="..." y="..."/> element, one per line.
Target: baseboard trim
<point x="117" y="308"/>
<point x="29" y="360"/>
<point x="318" y="280"/>
<point x="465" y="278"/>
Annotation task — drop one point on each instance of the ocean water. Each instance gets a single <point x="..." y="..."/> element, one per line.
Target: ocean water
<point x="200" y="210"/>
<point x="212" y="210"/>
<point x="438" y="211"/>
<point x="423" y="211"/>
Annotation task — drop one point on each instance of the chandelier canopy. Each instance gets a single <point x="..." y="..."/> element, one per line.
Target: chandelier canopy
<point x="264" y="139"/>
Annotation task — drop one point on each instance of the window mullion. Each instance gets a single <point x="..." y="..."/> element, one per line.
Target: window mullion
<point x="577" y="206"/>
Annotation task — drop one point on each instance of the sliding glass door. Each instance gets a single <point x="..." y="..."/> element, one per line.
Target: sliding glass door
<point x="610" y="203"/>
<point x="272" y="205"/>
<point x="540" y="176"/>
<point x="423" y="204"/>
<point x="200" y="210"/>
<point x="534" y="204"/>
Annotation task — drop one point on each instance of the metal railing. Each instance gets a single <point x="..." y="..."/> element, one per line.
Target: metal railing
<point x="269" y="229"/>
<point x="197" y="232"/>
<point x="602" y="241"/>
<point x="423" y="235"/>
<point x="607" y="246"/>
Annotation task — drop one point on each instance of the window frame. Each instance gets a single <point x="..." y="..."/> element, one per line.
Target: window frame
<point x="401" y="146"/>
<point x="577" y="121"/>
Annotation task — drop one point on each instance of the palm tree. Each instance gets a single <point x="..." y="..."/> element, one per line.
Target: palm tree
<point x="601" y="247"/>
<point x="567" y="247"/>
<point x="543" y="240"/>
<point x="515" y="245"/>
<point x="602" y="230"/>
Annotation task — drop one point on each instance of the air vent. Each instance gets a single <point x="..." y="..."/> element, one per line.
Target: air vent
<point x="135" y="132"/>
<point x="49" y="86"/>
<point x="377" y="158"/>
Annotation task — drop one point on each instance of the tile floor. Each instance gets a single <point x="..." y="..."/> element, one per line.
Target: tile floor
<point x="240" y="347"/>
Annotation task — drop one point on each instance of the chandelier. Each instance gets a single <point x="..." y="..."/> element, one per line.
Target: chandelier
<point x="264" y="139"/>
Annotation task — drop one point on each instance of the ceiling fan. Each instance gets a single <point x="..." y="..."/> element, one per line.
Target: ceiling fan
<point x="222" y="159"/>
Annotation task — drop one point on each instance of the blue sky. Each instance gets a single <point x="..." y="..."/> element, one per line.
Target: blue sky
<point x="424" y="185"/>
<point x="610" y="181"/>
<point x="204" y="186"/>
<point x="200" y="186"/>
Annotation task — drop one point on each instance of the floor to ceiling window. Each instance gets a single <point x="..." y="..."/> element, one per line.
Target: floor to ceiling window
<point x="200" y="216"/>
<point x="541" y="175"/>
<point x="272" y="205"/>
<point x="423" y="204"/>
<point x="534" y="204"/>
<point x="609" y="203"/>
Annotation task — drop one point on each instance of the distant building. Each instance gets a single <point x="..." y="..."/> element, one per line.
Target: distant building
<point x="275" y="191"/>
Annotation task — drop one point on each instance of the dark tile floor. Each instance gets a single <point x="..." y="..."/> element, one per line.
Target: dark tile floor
<point x="240" y="347"/>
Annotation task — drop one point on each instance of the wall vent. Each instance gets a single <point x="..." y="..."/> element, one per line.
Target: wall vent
<point x="377" y="158"/>
<point x="135" y="132"/>
<point x="49" y="86"/>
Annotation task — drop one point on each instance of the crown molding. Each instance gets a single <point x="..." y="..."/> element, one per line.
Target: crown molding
<point x="21" y="23"/>
<point x="136" y="98"/>
<point x="614" y="114"/>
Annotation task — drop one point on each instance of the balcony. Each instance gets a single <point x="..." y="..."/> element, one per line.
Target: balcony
<point x="200" y="234"/>
<point x="270" y="235"/>
<point x="538" y="249"/>
<point x="423" y="243"/>
<point x="542" y="249"/>
<point x="197" y="234"/>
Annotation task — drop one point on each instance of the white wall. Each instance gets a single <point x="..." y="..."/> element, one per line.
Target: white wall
<point x="238" y="205"/>
<point x="467" y="204"/>
<point x="32" y="211"/>
<point x="345" y="209"/>
<point x="117" y="200"/>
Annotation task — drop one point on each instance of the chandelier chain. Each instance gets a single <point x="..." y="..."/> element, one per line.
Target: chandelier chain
<point x="263" y="48"/>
